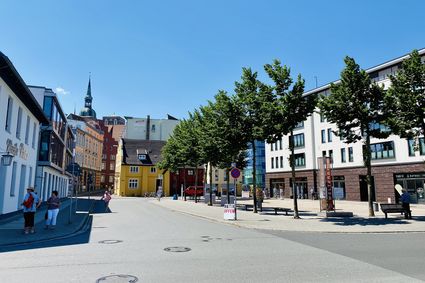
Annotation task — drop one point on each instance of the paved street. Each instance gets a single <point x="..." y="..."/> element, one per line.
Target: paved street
<point x="218" y="252"/>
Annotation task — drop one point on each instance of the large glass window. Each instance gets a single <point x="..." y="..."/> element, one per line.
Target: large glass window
<point x="47" y="106"/>
<point x="343" y="157"/>
<point x="299" y="160"/>
<point x="382" y="150"/>
<point x="9" y="114"/>
<point x="44" y="146"/>
<point x="298" y="140"/>
<point x="19" y="123"/>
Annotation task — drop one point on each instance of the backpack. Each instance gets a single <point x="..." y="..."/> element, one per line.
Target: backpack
<point x="29" y="202"/>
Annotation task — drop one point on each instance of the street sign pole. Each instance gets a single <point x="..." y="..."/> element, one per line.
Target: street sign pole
<point x="235" y="174"/>
<point x="234" y="180"/>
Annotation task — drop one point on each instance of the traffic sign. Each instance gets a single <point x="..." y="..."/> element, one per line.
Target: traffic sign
<point x="235" y="172"/>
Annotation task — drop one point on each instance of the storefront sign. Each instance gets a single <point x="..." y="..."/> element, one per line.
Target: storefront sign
<point x="229" y="212"/>
<point x="410" y="176"/>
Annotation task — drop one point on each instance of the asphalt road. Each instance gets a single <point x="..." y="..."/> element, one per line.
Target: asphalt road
<point x="137" y="232"/>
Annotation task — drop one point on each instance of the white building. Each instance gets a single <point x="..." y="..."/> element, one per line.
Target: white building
<point x="56" y="142"/>
<point x="149" y="129"/>
<point x="20" y="118"/>
<point x="394" y="160"/>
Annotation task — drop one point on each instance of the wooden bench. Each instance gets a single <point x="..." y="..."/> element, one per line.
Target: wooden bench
<point x="394" y="208"/>
<point x="263" y="208"/>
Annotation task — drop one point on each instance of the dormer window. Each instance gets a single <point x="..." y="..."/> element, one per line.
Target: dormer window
<point x="142" y="156"/>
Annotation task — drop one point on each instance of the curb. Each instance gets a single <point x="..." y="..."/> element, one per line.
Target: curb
<point x="233" y="223"/>
<point x="82" y="227"/>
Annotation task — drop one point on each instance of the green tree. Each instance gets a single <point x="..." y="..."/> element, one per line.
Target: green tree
<point x="291" y="109"/>
<point x="356" y="106"/>
<point x="405" y="98"/>
<point x="256" y="105"/>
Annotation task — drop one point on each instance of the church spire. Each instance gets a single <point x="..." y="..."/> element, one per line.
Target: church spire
<point x="88" y="111"/>
<point x="89" y="88"/>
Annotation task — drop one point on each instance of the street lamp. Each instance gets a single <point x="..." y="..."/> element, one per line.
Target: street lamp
<point x="6" y="158"/>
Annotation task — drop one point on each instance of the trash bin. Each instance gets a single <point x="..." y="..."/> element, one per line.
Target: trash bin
<point x="175" y="197"/>
<point x="375" y="206"/>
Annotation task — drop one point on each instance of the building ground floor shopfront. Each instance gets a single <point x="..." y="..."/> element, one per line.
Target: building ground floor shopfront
<point x="350" y="183"/>
<point x="49" y="179"/>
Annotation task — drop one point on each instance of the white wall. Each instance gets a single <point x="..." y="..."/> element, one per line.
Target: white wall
<point x="136" y="128"/>
<point x="27" y="157"/>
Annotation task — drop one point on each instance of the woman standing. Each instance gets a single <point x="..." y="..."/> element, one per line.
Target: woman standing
<point x="53" y="204"/>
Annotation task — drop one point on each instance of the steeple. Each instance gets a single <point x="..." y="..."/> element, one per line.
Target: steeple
<point x="87" y="111"/>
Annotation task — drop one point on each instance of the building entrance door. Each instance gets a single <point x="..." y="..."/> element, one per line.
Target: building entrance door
<point x="275" y="186"/>
<point x="363" y="188"/>
<point x="301" y="187"/>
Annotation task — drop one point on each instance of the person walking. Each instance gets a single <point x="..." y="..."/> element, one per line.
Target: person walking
<point x="159" y="192"/>
<point x="106" y="198"/>
<point x="405" y="202"/>
<point x="30" y="204"/>
<point x="53" y="204"/>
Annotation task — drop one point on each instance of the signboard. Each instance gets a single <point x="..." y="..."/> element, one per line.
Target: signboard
<point x="229" y="212"/>
<point x="338" y="193"/>
<point x="235" y="173"/>
<point x="329" y="191"/>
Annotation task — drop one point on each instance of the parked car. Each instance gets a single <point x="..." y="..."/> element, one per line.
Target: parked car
<point x="190" y="191"/>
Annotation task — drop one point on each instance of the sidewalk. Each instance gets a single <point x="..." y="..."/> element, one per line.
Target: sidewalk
<point x="11" y="230"/>
<point x="310" y="220"/>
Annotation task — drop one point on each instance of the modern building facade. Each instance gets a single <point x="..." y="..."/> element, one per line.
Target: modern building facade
<point x="55" y="150"/>
<point x="136" y="171"/>
<point x="149" y="129"/>
<point x="219" y="180"/>
<point x="20" y="119"/>
<point x="394" y="160"/>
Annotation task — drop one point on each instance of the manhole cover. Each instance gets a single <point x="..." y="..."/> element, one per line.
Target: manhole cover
<point x="120" y="278"/>
<point x="177" y="249"/>
<point x="110" y="242"/>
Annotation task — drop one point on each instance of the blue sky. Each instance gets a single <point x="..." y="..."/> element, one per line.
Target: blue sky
<point x="159" y="57"/>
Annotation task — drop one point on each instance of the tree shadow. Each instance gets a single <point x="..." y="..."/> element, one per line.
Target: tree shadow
<point x="352" y="221"/>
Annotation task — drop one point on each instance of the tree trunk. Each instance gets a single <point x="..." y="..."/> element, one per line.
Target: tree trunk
<point x="228" y="185"/>
<point x="196" y="183"/>
<point x="211" y="185"/>
<point x="367" y="159"/>
<point x="292" y="162"/>
<point x="254" y="177"/>
<point x="184" y="181"/>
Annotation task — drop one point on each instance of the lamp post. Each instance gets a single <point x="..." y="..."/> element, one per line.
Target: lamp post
<point x="6" y="158"/>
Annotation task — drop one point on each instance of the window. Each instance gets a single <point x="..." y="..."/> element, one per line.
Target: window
<point x="27" y="130"/>
<point x="343" y="157"/>
<point x="382" y="150"/>
<point x="422" y="146"/>
<point x="329" y="135"/>
<point x="30" y="183"/>
<point x="13" y="182"/>
<point x="190" y="172"/>
<point x="275" y="146"/>
<point x="281" y="162"/>
<point x="272" y="162"/>
<point x="153" y="169"/>
<point x="411" y="147"/>
<point x="112" y="157"/>
<point x="299" y="125"/>
<point x="102" y="179"/>
<point x="134" y="169"/>
<point x="142" y="156"/>
<point x="280" y="144"/>
<point x="271" y="147"/>
<point x="299" y="160"/>
<point x="111" y="179"/>
<point x="323" y="153"/>
<point x="350" y="154"/>
<point x="298" y="140"/>
<point x="103" y="166"/>
<point x="153" y="128"/>
<point x="19" y="123"/>
<point x="323" y="136"/>
<point x="133" y="183"/>
<point x="331" y="155"/>
<point x="103" y="156"/>
<point x="9" y="114"/>
<point x="34" y="129"/>
<point x="277" y="162"/>
<point x="112" y="166"/>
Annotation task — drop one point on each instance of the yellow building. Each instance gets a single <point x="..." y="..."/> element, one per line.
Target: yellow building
<point x="136" y="173"/>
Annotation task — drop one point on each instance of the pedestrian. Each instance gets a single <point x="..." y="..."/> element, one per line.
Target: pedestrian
<point x="30" y="204"/>
<point x="53" y="204"/>
<point x="106" y="198"/>
<point x="159" y="192"/>
<point x="405" y="202"/>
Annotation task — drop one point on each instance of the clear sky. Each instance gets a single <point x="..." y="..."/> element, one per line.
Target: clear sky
<point x="159" y="57"/>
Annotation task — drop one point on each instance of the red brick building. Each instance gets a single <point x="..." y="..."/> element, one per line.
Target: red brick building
<point x="177" y="179"/>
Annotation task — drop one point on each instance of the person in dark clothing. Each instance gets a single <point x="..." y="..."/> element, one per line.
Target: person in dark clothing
<point x="405" y="202"/>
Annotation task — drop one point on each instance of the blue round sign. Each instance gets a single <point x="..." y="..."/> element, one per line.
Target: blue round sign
<point x="235" y="173"/>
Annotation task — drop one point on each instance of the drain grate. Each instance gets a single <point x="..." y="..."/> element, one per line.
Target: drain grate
<point x="177" y="249"/>
<point x="120" y="278"/>
<point x="108" y="242"/>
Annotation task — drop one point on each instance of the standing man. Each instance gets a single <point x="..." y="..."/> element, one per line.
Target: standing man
<point x="405" y="202"/>
<point x="30" y="204"/>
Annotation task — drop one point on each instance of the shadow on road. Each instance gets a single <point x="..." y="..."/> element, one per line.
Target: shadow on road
<point x="351" y="221"/>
